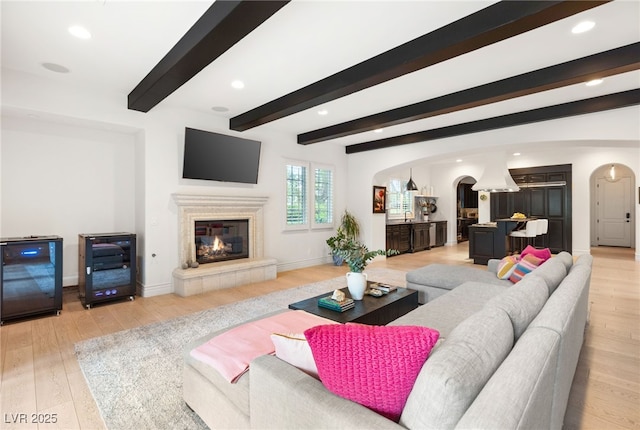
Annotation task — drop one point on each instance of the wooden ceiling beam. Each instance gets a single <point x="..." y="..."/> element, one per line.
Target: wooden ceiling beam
<point x="492" y="24"/>
<point x="563" y="110"/>
<point x="218" y="29"/>
<point x="614" y="61"/>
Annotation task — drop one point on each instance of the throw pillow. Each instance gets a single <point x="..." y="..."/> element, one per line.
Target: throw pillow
<point x="295" y="350"/>
<point x="375" y="366"/>
<point x="506" y="266"/>
<point x="543" y="254"/>
<point x="526" y="264"/>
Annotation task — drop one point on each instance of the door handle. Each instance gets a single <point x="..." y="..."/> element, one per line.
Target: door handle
<point x="628" y="215"/>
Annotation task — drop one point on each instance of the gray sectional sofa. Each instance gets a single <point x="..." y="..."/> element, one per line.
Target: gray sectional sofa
<point x="506" y="360"/>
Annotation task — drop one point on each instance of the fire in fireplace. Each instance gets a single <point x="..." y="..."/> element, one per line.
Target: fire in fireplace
<point x="221" y="240"/>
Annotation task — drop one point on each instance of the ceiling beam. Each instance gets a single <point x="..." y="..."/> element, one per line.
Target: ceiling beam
<point x="580" y="107"/>
<point x="614" y="61"/>
<point x="218" y="29"/>
<point x="492" y="24"/>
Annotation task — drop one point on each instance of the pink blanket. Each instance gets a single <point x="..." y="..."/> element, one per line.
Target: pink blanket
<point x="231" y="352"/>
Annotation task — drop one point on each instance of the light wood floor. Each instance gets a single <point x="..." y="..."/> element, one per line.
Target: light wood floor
<point x="40" y="374"/>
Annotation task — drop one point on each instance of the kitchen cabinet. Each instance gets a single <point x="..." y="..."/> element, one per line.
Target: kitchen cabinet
<point x="416" y="236"/>
<point x="545" y="192"/>
<point x="420" y="235"/>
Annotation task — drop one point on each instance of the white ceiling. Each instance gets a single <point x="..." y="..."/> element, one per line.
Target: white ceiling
<point x="304" y="42"/>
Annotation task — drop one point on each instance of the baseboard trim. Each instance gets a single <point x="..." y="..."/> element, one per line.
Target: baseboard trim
<point x="301" y="264"/>
<point x="153" y="290"/>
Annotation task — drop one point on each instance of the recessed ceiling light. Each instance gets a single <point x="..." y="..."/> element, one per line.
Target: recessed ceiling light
<point x="378" y="130"/>
<point x="516" y="154"/>
<point x="583" y="27"/>
<point x="79" y="32"/>
<point x="55" y="67"/>
<point x="594" y="82"/>
<point x="323" y="112"/>
<point x="220" y="109"/>
<point x="459" y="160"/>
<point x="237" y="84"/>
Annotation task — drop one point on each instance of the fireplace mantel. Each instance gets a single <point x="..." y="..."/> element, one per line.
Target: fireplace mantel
<point x="201" y="207"/>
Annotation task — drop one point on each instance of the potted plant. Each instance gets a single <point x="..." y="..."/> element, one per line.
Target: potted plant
<point x="357" y="256"/>
<point x="349" y="229"/>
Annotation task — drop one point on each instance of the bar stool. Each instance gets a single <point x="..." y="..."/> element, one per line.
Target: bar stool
<point x="528" y="233"/>
<point x="543" y="227"/>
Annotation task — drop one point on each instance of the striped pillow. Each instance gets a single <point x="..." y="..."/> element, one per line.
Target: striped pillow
<point x="506" y="266"/>
<point x="527" y="264"/>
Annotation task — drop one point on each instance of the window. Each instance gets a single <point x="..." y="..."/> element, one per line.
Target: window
<point x="399" y="200"/>
<point x="296" y="195"/>
<point x="299" y="175"/>
<point x="323" y="197"/>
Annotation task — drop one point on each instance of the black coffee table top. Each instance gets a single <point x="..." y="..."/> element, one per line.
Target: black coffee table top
<point x="370" y="310"/>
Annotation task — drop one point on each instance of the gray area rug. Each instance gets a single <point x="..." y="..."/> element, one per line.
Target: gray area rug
<point x="135" y="375"/>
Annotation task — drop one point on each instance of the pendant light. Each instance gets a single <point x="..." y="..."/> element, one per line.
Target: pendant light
<point x="611" y="174"/>
<point x="411" y="186"/>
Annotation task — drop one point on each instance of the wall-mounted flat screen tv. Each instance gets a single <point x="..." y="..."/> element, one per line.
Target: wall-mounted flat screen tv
<point x="218" y="157"/>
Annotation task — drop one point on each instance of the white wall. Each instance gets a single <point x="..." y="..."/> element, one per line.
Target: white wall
<point x="59" y="179"/>
<point x="143" y="201"/>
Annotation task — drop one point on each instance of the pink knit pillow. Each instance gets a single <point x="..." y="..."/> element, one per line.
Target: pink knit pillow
<point x="544" y="254"/>
<point x="375" y="366"/>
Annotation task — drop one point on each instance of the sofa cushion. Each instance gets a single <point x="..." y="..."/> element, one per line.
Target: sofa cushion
<point x="552" y="271"/>
<point x="565" y="258"/>
<point x="519" y="395"/>
<point x="522" y="302"/>
<point x="446" y="312"/>
<point x="375" y="366"/>
<point x="526" y="265"/>
<point x="458" y="369"/>
<point x="448" y="277"/>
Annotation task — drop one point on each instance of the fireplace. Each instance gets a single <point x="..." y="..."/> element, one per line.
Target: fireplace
<point x="221" y="240"/>
<point x="230" y="232"/>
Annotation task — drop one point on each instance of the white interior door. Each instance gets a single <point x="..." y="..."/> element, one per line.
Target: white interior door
<point x="614" y="212"/>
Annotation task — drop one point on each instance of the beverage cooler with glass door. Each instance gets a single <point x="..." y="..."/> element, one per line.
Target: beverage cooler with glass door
<point x="30" y="276"/>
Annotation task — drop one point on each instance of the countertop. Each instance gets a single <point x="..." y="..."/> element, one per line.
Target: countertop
<point x="413" y="221"/>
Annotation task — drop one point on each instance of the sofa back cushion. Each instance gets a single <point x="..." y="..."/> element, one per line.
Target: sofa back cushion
<point x="522" y="302"/>
<point x="457" y="370"/>
<point x="566" y="313"/>
<point x="519" y="395"/>
<point x="552" y="271"/>
<point x="565" y="258"/>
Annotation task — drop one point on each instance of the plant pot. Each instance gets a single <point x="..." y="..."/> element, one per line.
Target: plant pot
<point x="357" y="284"/>
<point x="337" y="260"/>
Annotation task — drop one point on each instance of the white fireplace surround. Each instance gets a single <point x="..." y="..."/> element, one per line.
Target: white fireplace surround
<point x="224" y="274"/>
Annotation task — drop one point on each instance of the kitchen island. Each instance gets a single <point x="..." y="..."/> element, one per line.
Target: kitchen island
<point x="491" y="240"/>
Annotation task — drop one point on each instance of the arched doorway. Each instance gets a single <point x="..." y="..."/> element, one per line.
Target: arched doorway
<point x="467" y="207"/>
<point x="612" y="220"/>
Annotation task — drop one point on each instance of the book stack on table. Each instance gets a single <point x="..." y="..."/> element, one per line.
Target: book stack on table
<point x="385" y="288"/>
<point x="334" y="305"/>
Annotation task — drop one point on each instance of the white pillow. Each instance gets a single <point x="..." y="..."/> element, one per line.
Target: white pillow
<point x="295" y="350"/>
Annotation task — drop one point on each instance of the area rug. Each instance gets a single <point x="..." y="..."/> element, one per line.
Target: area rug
<point x="135" y="376"/>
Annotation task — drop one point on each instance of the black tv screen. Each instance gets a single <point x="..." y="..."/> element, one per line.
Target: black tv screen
<point x="218" y="157"/>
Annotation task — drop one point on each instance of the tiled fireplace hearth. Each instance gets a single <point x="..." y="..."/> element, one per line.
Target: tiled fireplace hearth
<point x="220" y="274"/>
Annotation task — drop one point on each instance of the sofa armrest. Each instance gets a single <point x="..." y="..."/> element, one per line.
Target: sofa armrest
<point x="284" y="397"/>
<point x="492" y="265"/>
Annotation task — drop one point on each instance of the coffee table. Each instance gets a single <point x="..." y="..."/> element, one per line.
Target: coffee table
<point x="370" y="310"/>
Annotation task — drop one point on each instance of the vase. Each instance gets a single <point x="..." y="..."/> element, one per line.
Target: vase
<point x="357" y="284"/>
